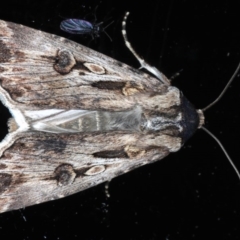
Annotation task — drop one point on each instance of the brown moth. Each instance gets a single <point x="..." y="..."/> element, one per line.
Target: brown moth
<point x="80" y="118"/>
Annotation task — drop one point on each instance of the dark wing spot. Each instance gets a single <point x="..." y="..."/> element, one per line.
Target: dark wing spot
<point x="111" y="154"/>
<point x="5" y="53"/>
<point x="109" y="85"/>
<point x="65" y="61"/>
<point x="64" y="174"/>
<point x="3" y="166"/>
<point x="5" y="181"/>
<point x="54" y="145"/>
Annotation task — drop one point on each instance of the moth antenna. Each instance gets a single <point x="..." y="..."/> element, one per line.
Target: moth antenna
<point x="223" y="91"/>
<point x="142" y="62"/>
<point x="223" y="149"/>
<point x="211" y="134"/>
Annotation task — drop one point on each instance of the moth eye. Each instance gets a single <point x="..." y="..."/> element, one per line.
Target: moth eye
<point x="65" y="61"/>
<point x="95" y="170"/>
<point x="64" y="174"/>
<point x="95" y="68"/>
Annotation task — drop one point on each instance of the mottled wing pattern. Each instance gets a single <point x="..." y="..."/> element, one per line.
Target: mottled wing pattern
<point x="61" y="165"/>
<point x="43" y="71"/>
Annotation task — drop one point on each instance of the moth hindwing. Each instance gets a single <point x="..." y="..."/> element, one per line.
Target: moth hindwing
<point x="79" y="117"/>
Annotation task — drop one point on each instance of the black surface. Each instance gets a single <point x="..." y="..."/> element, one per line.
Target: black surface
<point x="192" y="194"/>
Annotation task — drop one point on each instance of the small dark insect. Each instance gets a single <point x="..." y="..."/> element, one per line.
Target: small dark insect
<point x="78" y="26"/>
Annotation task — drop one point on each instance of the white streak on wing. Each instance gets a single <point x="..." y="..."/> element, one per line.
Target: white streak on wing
<point x="65" y="116"/>
<point x="51" y="122"/>
<point x="37" y="114"/>
<point x="40" y="126"/>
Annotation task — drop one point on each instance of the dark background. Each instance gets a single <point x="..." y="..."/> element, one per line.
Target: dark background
<point x="192" y="194"/>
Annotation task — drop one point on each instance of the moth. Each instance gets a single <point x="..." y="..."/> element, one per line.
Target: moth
<point x="79" y="118"/>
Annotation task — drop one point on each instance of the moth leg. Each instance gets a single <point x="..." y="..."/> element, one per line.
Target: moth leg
<point x="107" y="189"/>
<point x="142" y="62"/>
<point x="175" y="75"/>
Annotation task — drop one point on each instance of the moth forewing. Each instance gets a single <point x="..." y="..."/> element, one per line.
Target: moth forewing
<point x="80" y="117"/>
